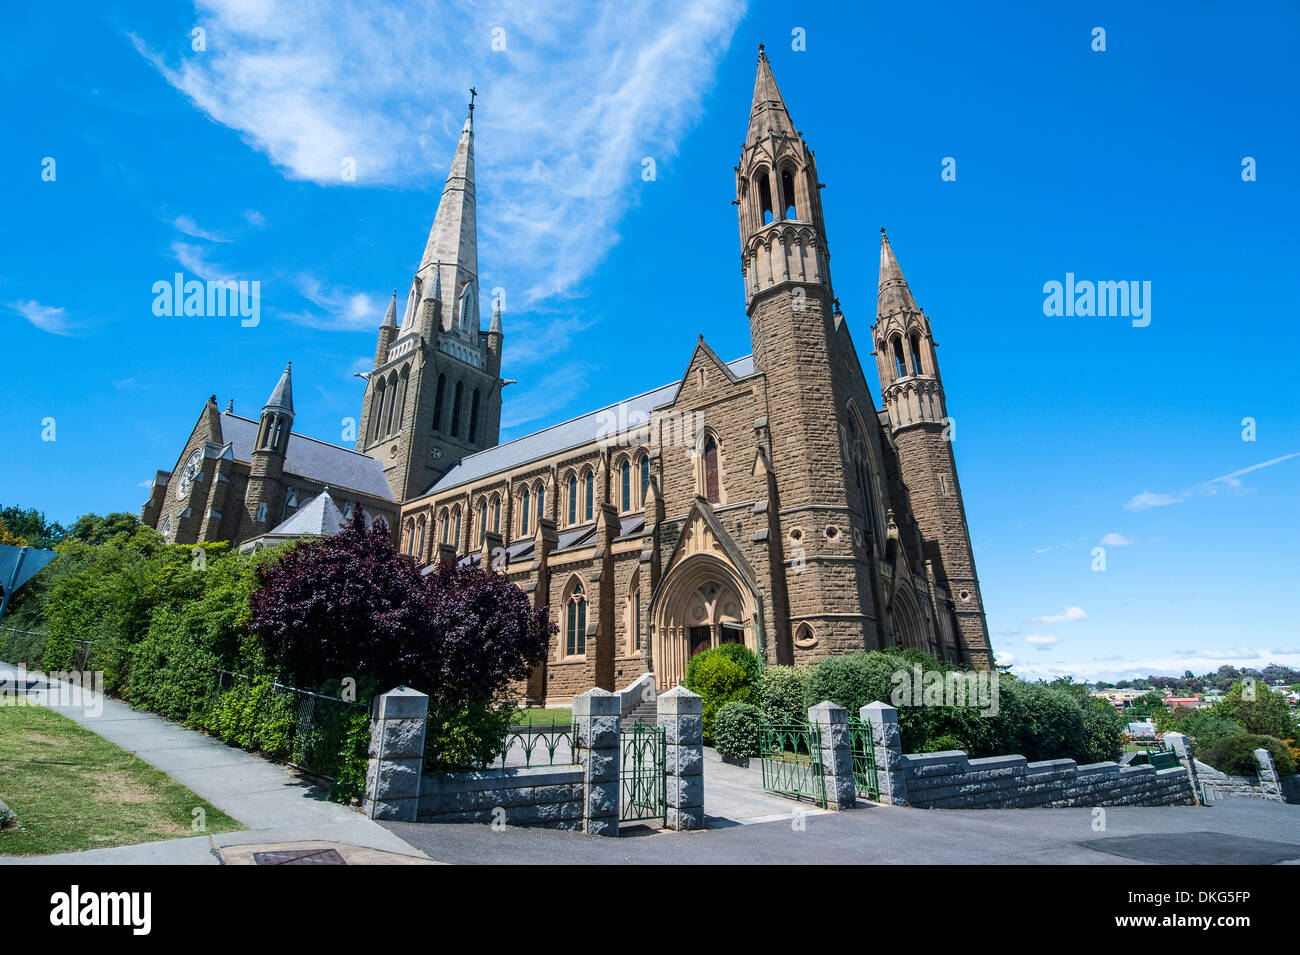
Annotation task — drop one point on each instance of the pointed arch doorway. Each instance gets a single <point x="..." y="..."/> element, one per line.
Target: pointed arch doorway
<point x="702" y="603"/>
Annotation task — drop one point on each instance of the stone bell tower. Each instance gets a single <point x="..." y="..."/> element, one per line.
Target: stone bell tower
<point x="912" y="394"/>
<point x="802" y="347"/>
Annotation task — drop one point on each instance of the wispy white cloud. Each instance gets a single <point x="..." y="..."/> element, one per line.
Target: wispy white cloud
<point x="1042" y="641"/>
<point x="1115" y="540"/>
<point x="1236" y="653"/>
<point x="47" y="318"/>
<point x="568" y="109"/>
<point x="1224" y="482"/>
<point x="1044" y="550"/>
<point x="254" y="218"/>
<point x="336" y="308"/>
<point x="193" y="229"/>
<point x="543" y="399"/>
<point x="1068" y="615"/>
<point x="194" y="259"/>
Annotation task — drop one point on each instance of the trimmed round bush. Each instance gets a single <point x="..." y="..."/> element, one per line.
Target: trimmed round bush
<point x="719" y="680"/>
<point x="940" y="744"/>
<point x="735" y="730"/>
<point x="737" y="653"/>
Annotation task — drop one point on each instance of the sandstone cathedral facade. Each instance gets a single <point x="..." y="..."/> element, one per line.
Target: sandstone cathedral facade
<point x="764" y="500"/>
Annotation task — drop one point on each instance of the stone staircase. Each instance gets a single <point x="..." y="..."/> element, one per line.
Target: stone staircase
<point x="637" y="703"/>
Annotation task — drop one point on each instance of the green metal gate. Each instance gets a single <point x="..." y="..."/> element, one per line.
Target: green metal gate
<point x="791" y="755"/>
<point x="864" y="759"/>
<point x="642" y="777"/>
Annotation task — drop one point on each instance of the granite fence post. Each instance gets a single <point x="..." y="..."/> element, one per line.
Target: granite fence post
<point x="596" y="744"/>
<point x="396" y="754"/>
<point x="1181" y="747"/>
<point x="681" y="716"/>
<point x="832" y="722"/>
<point x="883" y="720"/>
<point x="1269" y="782"/>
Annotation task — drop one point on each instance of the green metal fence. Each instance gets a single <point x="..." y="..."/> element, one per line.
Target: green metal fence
<point x="864" y="759"/>
<point x="643" y="777"/>
<point x="1159" y="756"/>
<point x="790" y="754"/>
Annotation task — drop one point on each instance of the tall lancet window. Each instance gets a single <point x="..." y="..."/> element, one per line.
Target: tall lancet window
<point x="468" y="310"/>
<point x="711" y="483"/>
<point x="900" y="364"/>
<point x="523" y="512"/>
<point x="765" y="197"/>
<point x="787" y="195"/>
<point x="916" y="353"/>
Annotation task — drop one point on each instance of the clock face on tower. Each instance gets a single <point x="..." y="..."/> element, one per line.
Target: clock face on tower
<point x="189" y="471"/>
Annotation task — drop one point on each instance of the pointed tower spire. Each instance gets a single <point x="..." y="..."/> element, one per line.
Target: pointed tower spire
<point x="390" y="317"/>
<point x="452" y="248"/>
<point x="495" y="327"/>
<point x="768" y="112"/>
<point x="893" y="295"/>
<point x="433" y="290"/>
<point x="282" y="397"/>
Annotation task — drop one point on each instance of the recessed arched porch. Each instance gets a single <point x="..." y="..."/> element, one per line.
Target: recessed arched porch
<point x="703" y="603"/>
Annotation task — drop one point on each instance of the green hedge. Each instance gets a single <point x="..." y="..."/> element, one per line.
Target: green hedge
<point x="721" y="675"/>
<point x="735" y="731"/>
<point x="1235" y="754"/>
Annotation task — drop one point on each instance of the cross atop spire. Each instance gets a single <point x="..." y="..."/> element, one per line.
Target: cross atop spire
<point x="472" y="93"/>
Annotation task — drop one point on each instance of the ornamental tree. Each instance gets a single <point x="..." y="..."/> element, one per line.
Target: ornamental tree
<point x="351" y="605"/>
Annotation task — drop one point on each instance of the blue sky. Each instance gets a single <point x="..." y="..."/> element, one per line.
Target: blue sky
<point x="1117" y="165"/>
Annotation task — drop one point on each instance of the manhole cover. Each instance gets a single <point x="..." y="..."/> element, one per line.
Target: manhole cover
<point x="1196" y="848"/>
<point x="299" y="857"/>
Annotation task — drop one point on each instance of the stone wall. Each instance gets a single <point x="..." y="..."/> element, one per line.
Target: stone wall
<point x="951" y="780"/>
<point x="1267" y="784"/>
<point x="544" y="796"/>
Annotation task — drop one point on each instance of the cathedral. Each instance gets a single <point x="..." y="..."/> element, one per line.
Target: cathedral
<point x="763" y="500"/>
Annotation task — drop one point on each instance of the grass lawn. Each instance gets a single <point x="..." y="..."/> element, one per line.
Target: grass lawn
<point x="72" y="789"/>
<point x="538" y="716"/>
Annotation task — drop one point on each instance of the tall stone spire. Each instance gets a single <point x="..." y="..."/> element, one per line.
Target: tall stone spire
<point x="390" y="317"/>
<point x="768" y="112"/>
<point x="282" y="397"/>
<point x="894" y="295"/>
<point x="452" y="249"/>
<point x="495" y="327"/>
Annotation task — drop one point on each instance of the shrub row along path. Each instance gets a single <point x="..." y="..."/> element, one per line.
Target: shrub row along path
<point x="274" y="804"/>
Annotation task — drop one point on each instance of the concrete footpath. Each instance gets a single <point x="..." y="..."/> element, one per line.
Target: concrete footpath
<point x="274" y="803"/>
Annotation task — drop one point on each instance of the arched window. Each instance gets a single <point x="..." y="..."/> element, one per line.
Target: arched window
<point x="455" y="409"/>
<point x="482" y="522"/>
<point x="589" y="507"/>
<point x="541" y="501"/>
<point x="575" y="626"/>
<point x="862" y="471"/>
<point x="899" y="364"/>
<point x="523" y="512"/>
<point x="712" y="483"/>
<point x="438" y="398"/>
<point x="410" y="536"/>
<point x="456" y="542"/>
<point x="496" y="515"/>
<point x="468" y="309"/>
<point x="446" y="528"/>
<point x="473" y="417"/>
<point x="787" y="195"/>
<point x="377" y="408"/>
<point x="573" y="500"/>
<point x="625" y="478"/>
<point x="632" y="609"/>
<point x="645" y="476"/>
<point x="765" y="197"/>
<point x="916" y="353"/>
<point x="392" y="403"/>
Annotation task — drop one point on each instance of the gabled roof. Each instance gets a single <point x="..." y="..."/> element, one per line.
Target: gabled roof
<point x="340" y="468"/>
<point x="574" y="433"/>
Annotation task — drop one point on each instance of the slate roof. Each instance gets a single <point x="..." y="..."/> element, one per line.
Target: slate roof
<point x="310" y="458"/>
<point x="561" y="437"/>
<point x="319" y="516"/>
